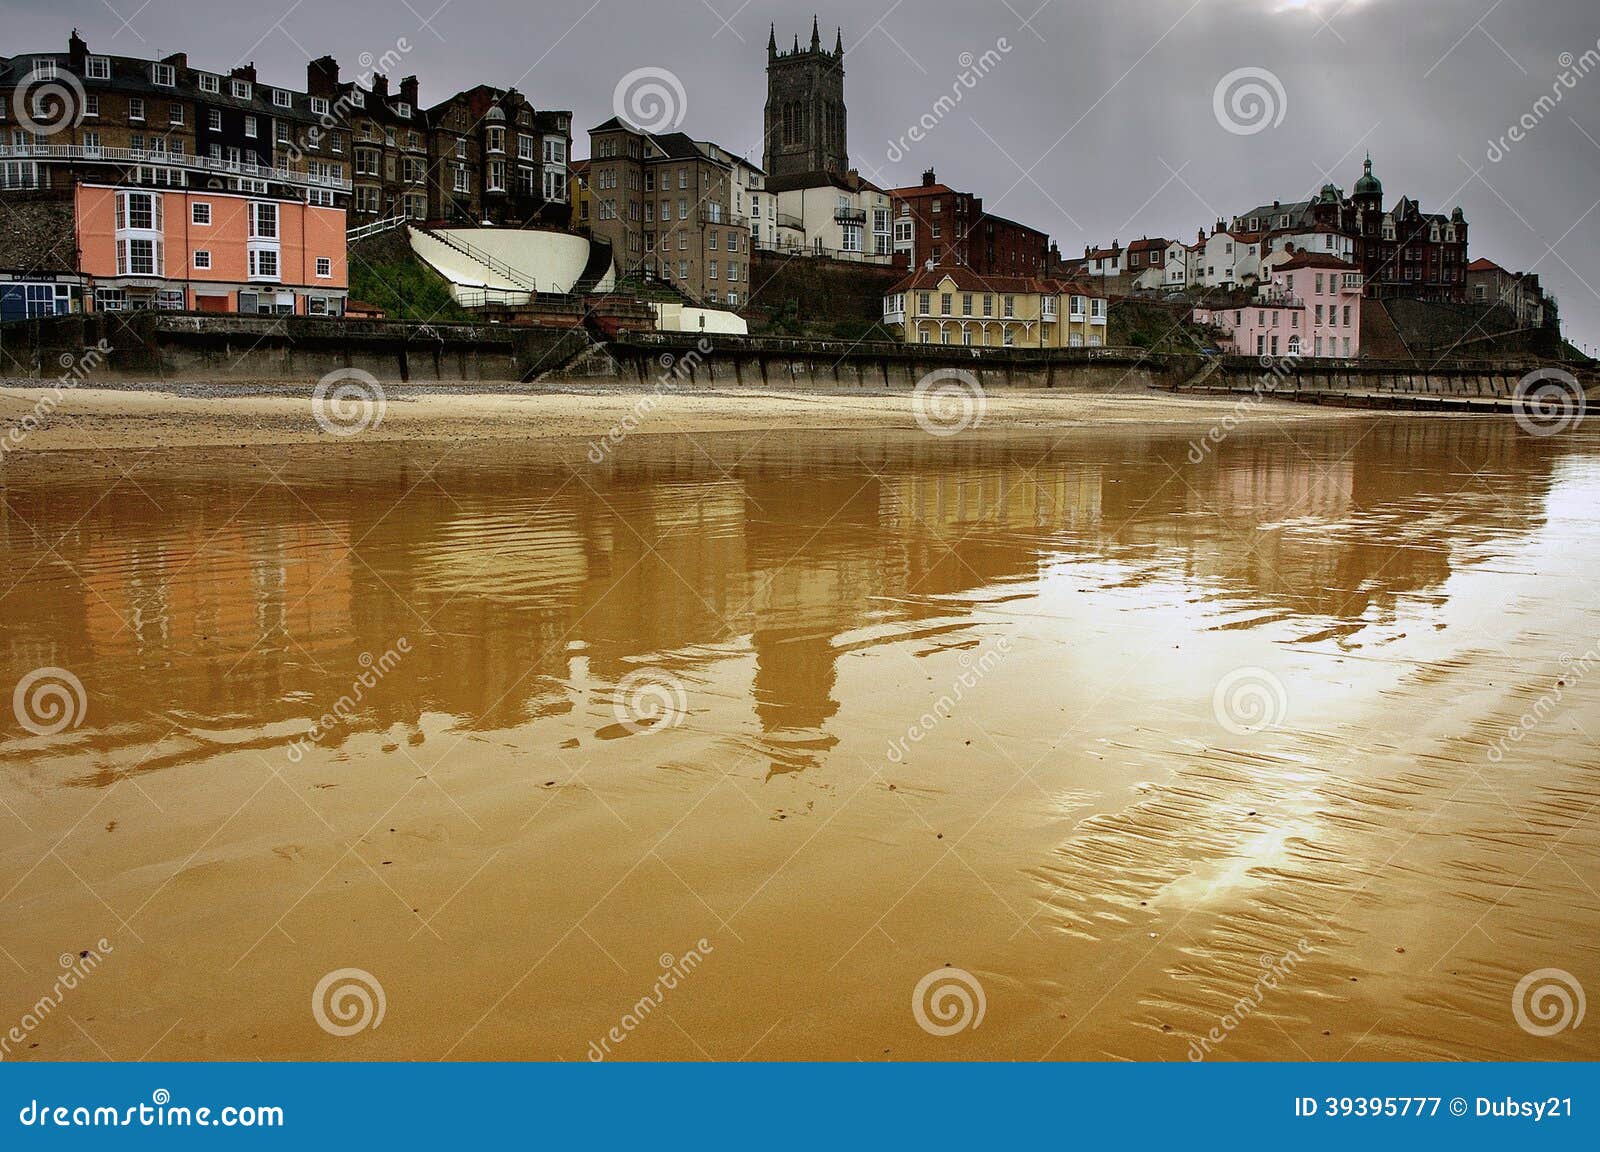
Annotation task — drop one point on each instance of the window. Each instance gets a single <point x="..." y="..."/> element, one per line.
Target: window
<point x="358" y="98"/>
<point x="91" y="141"/>
<point x="163" y="75"/>
<point x="99" y="68"/>
<point x="324" y="267"/>
<point x="282" y="127"/>
<point x="250" y="127"/>
<point x="175" y="115"/>
<point x="214" y="119"/>
<point x="138" y="211"/>
<point x="1009" y="307"/>
<point x="200" y="214"/>
<point x="281" y="99"/>
<point x="239" y="89"/>
<point x="497" y="175"/>
<point x="135" y="108"/>
<point x="524" y="146"/>
<point x="91" y="105"/>
<point x="210" y="83"/>
<point x="402" y="109"/>
<point x="319" y="106"/>
<point x="555" y="151"/>
<point x="460" y="172"/>
<point x="44" y="69"/>
<point x="202" y="259"/>
<point x="138" y="257"/>
<point x="263" y="220"/>
<point x="263" y="264"/>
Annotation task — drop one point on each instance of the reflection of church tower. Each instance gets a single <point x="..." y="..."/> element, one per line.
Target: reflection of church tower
<point x="805" y="131"/>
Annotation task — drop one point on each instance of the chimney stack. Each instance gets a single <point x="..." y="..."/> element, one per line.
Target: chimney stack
<point x="408" y="90"/>
<point x="928" y="180"/>
<point x="245" y="72"/>
<point x="322" y="77"/>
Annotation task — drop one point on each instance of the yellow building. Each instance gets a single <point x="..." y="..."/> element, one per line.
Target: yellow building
<point x="958" y="306"/>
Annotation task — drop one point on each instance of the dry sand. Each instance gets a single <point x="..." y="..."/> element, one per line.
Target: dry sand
<point x="173" y="416"/>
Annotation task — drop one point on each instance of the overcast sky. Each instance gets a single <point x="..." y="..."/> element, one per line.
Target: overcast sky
<point x="1098" y="122"/>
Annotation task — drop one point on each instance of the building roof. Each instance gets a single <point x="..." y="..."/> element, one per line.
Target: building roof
<point x="1316" y="260"/>
<point x="1484" y="264"/>
<point x="1148" y="244"/>
<point x="969" y="281"/>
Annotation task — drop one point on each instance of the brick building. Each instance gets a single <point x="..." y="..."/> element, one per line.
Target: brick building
<point x="934" y="223"/>
<point x="666" y="205"/>
<point x="139" y="158"/>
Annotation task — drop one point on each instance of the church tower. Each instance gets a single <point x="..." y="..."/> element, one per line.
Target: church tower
<point x="804" y="134"/>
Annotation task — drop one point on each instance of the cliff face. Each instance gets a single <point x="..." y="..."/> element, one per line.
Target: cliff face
<point x="36" y="235"/>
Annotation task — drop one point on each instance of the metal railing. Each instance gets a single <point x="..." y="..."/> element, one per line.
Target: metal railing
<point x="183" y="160"/>
<point x="498" y="267"/>
<point x="375" y="228"/>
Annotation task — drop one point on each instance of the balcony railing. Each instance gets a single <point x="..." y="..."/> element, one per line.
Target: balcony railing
<point x="850" y="216"/>
<point x="723" y="219"/>
<point x="184" y="160"/>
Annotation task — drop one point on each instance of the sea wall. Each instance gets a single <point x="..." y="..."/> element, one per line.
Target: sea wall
<point x="160" y="346"/>
<point x="688" y="361"/>
<point x="1454" y="384"/>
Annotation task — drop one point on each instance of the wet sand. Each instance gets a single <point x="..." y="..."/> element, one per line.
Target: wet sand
<point x="1115" y="733"/>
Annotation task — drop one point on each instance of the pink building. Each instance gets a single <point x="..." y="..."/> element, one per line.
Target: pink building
<point x="1311" y="306"/>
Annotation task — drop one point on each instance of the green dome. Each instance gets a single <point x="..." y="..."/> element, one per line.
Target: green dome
<point x="1368" y="182"/>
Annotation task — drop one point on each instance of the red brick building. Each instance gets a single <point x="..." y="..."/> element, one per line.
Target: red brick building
<point x="933" y="222"/>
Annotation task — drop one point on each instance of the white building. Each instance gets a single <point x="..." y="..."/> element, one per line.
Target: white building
<point x="846" y="218"/>
<point x="1229" y="259"/>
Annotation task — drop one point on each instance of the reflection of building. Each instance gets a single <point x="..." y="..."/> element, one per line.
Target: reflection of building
<point x="753" y="576"/>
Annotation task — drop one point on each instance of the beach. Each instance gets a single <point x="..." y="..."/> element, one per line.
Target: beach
<point x="772" y="725"/>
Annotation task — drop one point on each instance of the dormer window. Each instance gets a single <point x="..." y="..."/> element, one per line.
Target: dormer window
<point x="212" y="84"/>
<point x="403" y="110"/>
<point x="281" y="99"/>
<point x="99" y="68"/>
<point x="44" y="69"/>
<point x="163" y="75"/>
<point x="319" y="106"/>
<point x="239" y="89"/>
<point x="358" y="98"/>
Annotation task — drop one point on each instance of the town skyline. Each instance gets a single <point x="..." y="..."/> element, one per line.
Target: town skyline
<point x="1077" y="172"/>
